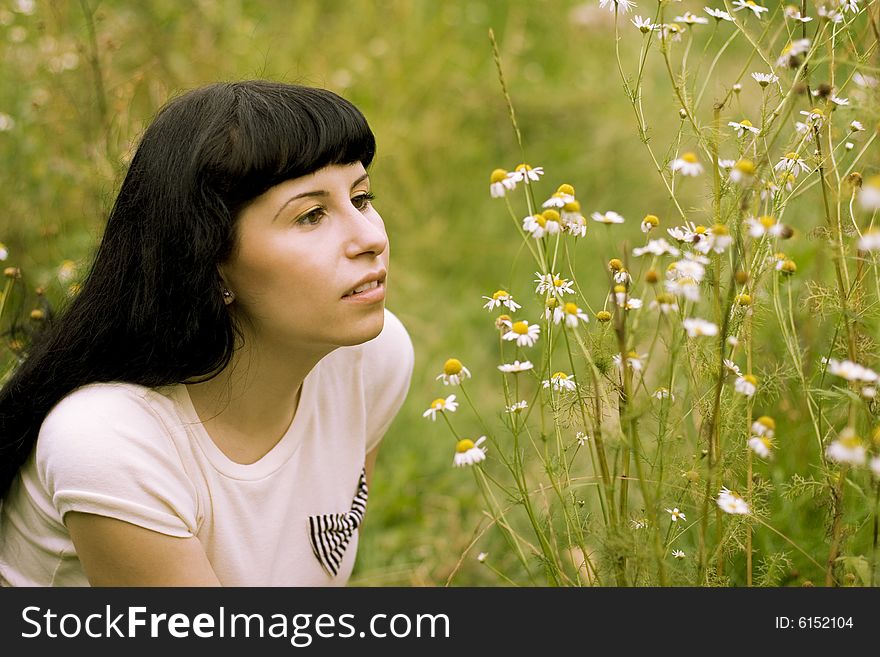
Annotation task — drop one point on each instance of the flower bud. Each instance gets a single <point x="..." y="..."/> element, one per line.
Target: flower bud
<point x="652" y="276"/>
<point x="603" y="316"/>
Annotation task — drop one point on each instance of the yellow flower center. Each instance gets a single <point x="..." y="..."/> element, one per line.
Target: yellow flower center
<point x="687" y="280"/>
<point x="665" y="298"/>
<point x="523" y="167"/>
<point x="744" y="299"/>
<point x="452" y="366"/>
<point x="500" y="294"/>
<point x="746" y="123"/>
<point x="498" y="175"/>
<point x="522" y="328"/>
<point x="559" y="282"/>
<point x="745" y="166"/>
<point x="541" y="221"/>
<point x="750" y="3"/>
<point x="603" y="316"/>
<point x="873" y="181"/>
<point x="571" y="308"/>
<point x="559" y="375"/>
<point x="619" y="289"/>
<point x="573" y="206"/>
<point x="791" y="156"/>
<point x="789" y="267"/>
<point x="689" y="157"/>
<point x="851" y="442"/>
<point x="464" y="445"/>
<point x="631" y="355"/>
<point x="550" y="215"/>
<point x="552" y="302"/>
<point x="565" y="188"/>
<point x="700" y="230"/>
<point x="816" y="112"/>
<point x="438" y="404"/>
<point x="751" y="379"/>
<point x="615" y="264"/>
<point x="767" y="221"/>
<point x="768" y="422"/>
<point x="720" y="229"/>
<point x="651" y="219"/>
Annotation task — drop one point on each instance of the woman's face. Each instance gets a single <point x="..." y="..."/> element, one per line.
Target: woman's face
<point x="302" y="246"/>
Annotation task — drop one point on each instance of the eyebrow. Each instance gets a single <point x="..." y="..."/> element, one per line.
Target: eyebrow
<point x="320" y="193"/>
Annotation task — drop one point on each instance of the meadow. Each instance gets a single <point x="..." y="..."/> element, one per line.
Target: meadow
<point x="82" y="79"/>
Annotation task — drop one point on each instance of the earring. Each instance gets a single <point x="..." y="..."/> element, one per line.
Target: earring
<point x="228" y="296"/>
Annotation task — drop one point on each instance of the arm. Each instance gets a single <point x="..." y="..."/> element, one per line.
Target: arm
<point x="116" y="553"/>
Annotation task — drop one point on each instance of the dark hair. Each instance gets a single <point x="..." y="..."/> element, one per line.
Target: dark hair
<point x="150" y="311"/>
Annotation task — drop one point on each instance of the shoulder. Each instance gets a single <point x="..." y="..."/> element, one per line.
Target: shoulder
<point x="99" y="406"/>
<point x="102" y="423"/>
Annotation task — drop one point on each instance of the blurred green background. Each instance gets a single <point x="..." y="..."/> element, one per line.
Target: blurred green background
<point x="80" y="81"/>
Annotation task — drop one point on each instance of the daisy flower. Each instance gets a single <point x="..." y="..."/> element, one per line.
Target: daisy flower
<point x="609" y="217"/>
<point x="4" y="252"/>
<point x="581" y="438"/>
<point x="764" y="426"/>
<point x="761" y="445"/>
<point x="525" y="173"/>
<point x="500" y="183"/>
<point x="624" y="300"/>
<point x="639" y="524"/>
<point x="454" y="372"/>
<point x="687" y="164"/>
<point x="696" y="327"/>
<point x="746" y="384"/>
<point x="741" y="127"/>
<point x="765" y="79"/>
<point x="815" y="117"/>
<point x="851" y="371"/>
<point x="731" y="502"/>
<point x="518" y="406"/>
<point x="870" y="240"/>
<point x="662" y="393"/>
<point x="716" y="239"/>
<point x="657" y="247"/>
<point x="676" y="514"/>
<point x="692" y="266"/>
<point x="670" y="32"/>
<point x="837" y="100"/>
<point x="440" y="405"/>
<point x="560" y="381"/>
<point x="633" y="360"/>
<point x="792" y="163"/>
<point x="869" y="196"/>
<point x="553" y="311"/>
<point x="749" y="4"/>
<point x="649" y="223"/>
<point x="553" y="284"/>
<point x="574" y="315"/>
<point x="743" y="172"/>
<point x="685" y="287"/>
<point x="875" y="466"/>
<point x="789" y="55"/>
<point x="501" y="298"/>
<point x="764" y="225"/>
<point x="516" y="366"/>
<point x="856" y="126"/>
<point x="574" y="222"/>
<point x="558" y="200"/>
<point x="794" y="13"/>
<point x="644" y="24"/>
<point x="733" y="367"/>
<point x="468" y="452"/>
<point x="622" y="277"/>
<point x="691" y="19"/>
<point x="718" y="14"/>
<point x="850" y="5"/>
<point x="665" y="302"/>
<point x="830" y="14"/>
<point x="525" y="334"/>
<point x="624" y="5"/>
<point x="535" y="225"/>
<point x="481" y="557"/>
<point x="848" y="448"/>
<point x="678" y="554"/>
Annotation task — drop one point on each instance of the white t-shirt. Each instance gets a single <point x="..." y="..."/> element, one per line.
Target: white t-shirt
<point x="141" y="455"/>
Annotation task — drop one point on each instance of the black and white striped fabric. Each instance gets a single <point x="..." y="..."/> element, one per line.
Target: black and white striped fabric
<point x="331" y="533"/>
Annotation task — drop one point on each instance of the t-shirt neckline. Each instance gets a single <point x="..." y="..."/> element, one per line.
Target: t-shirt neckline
<point x="282" y="451"/>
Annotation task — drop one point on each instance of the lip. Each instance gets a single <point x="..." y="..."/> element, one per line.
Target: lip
<point x="375" y="295"/>
<point x="378" y="276"/>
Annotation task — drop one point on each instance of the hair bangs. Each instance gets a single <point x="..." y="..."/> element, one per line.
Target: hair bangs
<point x="282" y="132"/>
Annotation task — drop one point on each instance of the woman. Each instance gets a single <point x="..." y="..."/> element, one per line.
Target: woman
<point x="207" y="411"/>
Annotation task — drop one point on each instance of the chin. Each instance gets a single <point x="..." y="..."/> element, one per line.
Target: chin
<point x="366" y="330"/>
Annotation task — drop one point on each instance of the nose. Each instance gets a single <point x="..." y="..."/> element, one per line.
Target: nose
<point x="366" y="233"/>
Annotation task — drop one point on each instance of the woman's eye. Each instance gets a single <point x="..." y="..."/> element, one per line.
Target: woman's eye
<point x="362" y="201"/>
<point x="311" y="218"/>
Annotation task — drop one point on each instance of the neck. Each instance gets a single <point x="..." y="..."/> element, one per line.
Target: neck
<point x="248" y="407"/>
